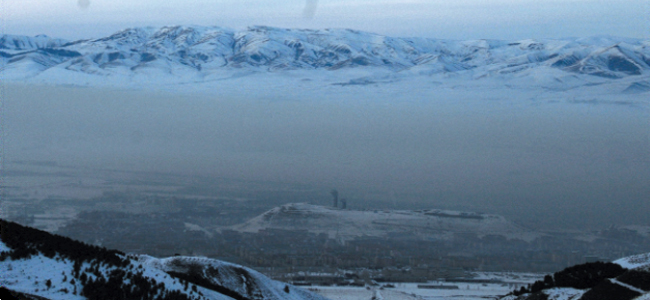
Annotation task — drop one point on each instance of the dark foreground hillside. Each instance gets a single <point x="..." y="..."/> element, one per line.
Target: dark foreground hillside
<point x="590" y="281"/>
<point x="40" y="265"/>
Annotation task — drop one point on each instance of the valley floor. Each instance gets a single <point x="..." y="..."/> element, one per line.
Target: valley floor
<point x="411" y="291"/>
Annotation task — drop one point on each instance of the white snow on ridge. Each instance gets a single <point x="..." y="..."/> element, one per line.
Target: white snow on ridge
<point x="629" y="287"/>
<point x="16" y="43"/>
<point x="30" y="276"/>
<point x="643" y="297"/>
<point x="635" y="262"/>
<point x="4" y="247"/>
<point x="197" y="54"/>
<point x="229" y="275"/>
<point x="33" y="275"/>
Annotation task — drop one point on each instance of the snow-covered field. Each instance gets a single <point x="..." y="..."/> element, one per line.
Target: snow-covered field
<point x="558" y="294"/>
<point x="410" y="291"/>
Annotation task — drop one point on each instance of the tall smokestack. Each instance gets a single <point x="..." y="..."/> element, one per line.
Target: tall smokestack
<point x="335" y="194"/>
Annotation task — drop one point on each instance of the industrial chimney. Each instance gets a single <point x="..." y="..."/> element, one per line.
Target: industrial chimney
<point x="335" y="194"/>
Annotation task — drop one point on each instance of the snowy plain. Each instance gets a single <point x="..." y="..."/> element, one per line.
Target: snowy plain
<point x="406" y="291"/>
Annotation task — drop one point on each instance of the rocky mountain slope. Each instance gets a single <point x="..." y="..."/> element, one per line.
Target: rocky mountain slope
<point x="39" y="265"/>
<point x="202" y="53"/>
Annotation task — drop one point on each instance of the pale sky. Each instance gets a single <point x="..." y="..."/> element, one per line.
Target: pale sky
<point x="460" y="19"/>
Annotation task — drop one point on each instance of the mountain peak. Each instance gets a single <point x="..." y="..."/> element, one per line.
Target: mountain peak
<point x="207" y="50"/>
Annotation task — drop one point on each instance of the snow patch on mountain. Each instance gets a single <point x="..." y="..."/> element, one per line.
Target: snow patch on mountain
<point x="4" y="247"/>
<point x="246" y="282"/>
<point x="640" y="261"/>
<point x="31" y="276"/>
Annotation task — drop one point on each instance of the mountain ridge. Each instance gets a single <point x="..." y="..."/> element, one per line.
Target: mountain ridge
<point x="204" y="50"/>
<point x="41" y="264"/>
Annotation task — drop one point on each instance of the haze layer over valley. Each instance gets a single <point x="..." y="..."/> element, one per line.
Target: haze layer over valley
<point x="550" y="134"/>
<point x="567" y="164"/>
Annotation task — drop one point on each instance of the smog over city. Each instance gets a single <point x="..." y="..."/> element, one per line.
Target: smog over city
<point x="343" y="150"/>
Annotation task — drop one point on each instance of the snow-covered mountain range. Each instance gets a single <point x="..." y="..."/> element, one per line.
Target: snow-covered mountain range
<point x="39" y="265"/>
<point x="201" y="52"/>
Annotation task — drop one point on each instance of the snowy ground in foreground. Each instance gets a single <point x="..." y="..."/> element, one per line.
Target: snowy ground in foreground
<point x="407" y="291"/>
